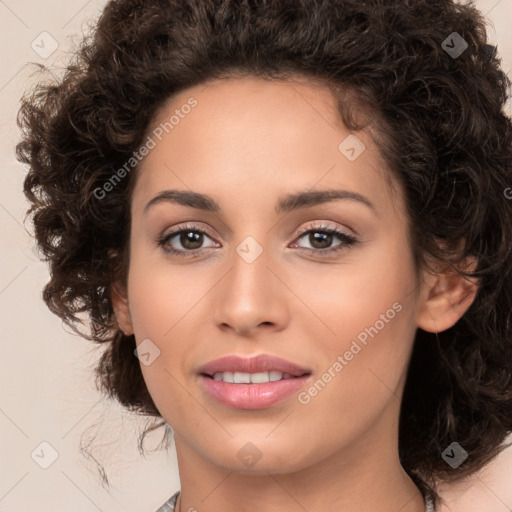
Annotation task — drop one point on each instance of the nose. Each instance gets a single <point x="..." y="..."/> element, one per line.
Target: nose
<point x="251" y="296"/>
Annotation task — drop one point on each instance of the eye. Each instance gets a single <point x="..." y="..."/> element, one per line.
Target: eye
<point x="321" y="238"/>
<point x="190" y="237"/>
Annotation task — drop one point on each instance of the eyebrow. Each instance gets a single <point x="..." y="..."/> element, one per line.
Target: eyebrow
<point x="286" y="203"/>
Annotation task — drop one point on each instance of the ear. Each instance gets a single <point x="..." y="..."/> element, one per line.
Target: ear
<point x="119" y="297"/>
<point x="446" y="296"/>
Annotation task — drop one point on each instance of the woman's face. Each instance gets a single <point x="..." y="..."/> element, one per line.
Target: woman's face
<point x="343" y="307"/>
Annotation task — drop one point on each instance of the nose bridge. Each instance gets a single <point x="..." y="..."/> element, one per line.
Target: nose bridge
<point x="249" y="294"/>
<point x="249" y="277"/>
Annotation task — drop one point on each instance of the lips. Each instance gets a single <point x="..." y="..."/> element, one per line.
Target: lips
<point x="261" y="363"/>
<point x="252" y="396"/>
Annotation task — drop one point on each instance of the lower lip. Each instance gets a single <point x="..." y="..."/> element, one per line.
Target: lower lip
<point x="253" y="396"/>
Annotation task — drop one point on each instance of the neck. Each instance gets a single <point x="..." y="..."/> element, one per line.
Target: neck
<point x="360" y="477"/>
<point x="415" y="504"/>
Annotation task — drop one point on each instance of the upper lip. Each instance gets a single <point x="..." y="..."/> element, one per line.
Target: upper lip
<point x="260" y="363"/>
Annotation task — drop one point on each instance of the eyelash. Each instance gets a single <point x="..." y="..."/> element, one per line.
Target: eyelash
<point x="347" y="240"/>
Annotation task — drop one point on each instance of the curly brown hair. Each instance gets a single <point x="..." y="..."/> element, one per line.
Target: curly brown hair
<point x="442" y="131"/>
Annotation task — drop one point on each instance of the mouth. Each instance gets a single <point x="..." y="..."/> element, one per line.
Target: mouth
<point x="256" y="382"/>
<point x="259" y="393"/>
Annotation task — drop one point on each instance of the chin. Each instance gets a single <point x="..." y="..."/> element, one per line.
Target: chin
<point x="259" y="458"/>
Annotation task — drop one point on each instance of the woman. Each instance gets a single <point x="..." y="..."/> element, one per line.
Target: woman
<point x="288" y="224"/>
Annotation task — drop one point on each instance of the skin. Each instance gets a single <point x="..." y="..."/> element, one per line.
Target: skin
<point x="247" y="143"/>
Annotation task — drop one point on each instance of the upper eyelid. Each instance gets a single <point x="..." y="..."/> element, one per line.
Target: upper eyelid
<point x="321" y="224"/>
<point x="186" y="227"/>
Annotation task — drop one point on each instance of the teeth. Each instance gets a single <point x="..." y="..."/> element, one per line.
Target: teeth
<point x="251" y="378"/>
<point x="242" y="378"/>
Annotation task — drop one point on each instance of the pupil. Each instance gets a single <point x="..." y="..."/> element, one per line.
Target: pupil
<point x="191" y="237"/>
<point x="320" y="237"/>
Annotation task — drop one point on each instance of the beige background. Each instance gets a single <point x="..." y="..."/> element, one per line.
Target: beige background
<point x="47" y="390"/>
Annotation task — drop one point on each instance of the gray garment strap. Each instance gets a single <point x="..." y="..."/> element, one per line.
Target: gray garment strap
<point x="430" y="504"/>
<point x="169" y="505"/>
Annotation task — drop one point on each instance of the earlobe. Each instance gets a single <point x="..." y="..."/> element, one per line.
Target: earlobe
<point x="446" y="298"/>
<point x="119" y="298"/>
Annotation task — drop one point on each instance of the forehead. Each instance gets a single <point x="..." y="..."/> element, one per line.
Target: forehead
<point x="252" y="135"/>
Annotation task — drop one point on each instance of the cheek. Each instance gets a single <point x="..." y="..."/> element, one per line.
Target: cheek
<point x="371" y="289"/>
<point x="367" y="312"/>
<point x="161" y="295"/>
<point x="166" y="308"/>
